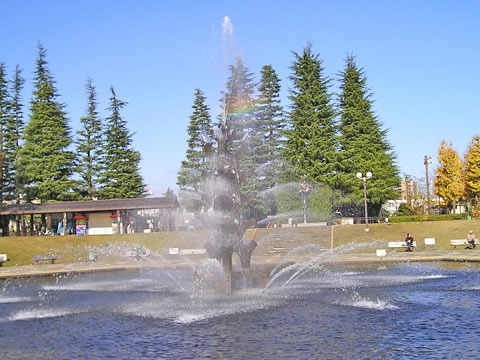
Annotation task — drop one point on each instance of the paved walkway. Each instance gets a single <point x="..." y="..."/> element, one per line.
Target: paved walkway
<point x="192" y="261"/>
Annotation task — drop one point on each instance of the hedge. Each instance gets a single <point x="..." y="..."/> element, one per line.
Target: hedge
<point x="411" y="218"/>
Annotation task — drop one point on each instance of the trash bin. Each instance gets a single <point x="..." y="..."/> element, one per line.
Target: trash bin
<point x="92" y="256"/>
<point x="469" y="217"/>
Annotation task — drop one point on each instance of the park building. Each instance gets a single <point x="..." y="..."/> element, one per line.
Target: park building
<point x="91" y="217"/>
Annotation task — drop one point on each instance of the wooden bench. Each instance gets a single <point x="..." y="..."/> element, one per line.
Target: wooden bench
<point x="38" y="258"/>
<point x="400" y="244"/>
<point x="3" y="258"/>
<point x="461" y="242"/>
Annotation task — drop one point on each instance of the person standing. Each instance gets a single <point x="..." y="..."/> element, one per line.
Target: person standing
<point x="409" y="242"/>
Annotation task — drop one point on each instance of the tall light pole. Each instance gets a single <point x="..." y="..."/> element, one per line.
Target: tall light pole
<point x="365" y="178"/>
<point x="304" y="190"/>
<point x="427" y="160"/>
<point x="407" y="188"/>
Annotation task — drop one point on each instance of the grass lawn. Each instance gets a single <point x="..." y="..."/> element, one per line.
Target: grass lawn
<point x="442" y="231"/>
<point x="21" y="249"/>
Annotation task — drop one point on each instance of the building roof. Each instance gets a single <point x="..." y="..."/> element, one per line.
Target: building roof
<point x="170" y="202"/>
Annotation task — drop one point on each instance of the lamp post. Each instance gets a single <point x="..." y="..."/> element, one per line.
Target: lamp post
<point x="304" y="190"/>
<point x="367" y="176"/>
<point x="427" y="160"/>
<point x="407" y="188"/>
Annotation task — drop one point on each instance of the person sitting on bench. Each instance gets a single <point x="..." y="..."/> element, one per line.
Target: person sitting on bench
<point x="409" y="242"/>
<point x="470" y="240"/>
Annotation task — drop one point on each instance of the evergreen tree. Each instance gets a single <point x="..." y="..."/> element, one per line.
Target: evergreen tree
<point x="449" y="182"/>
<point x="46" y="162"/>
<point x="4" y="113"/>
<point x="265" y="145"/>
<point x="89" y="144"/>
<point x="310" y="140"/>
<point x="271" y="124"/>
<point x="237" y="102"/>
<point x="13" y="135"/>
<point x="472" y="169"/>
<point x="363" y="143"/>
<point x="120" y="177"/>
<point x="189" y="177"/>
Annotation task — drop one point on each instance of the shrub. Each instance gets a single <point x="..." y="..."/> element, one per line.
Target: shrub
<point x="398" y="219"/>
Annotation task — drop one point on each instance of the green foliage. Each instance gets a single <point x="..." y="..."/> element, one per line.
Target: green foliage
<point x="13" y="134"/>
<point x="448" y="182"/>
<point x="89" y="143"/>
<point x="190" y="177"/>
<point x="264" y="146"/>
<point x="363" y="143"/>
<point x="237" y="102"/>
<point x="398" y="219"/>
<point x="4" y="113"/>
<point x="190" y="174"/>
<point x="46" y="163"/>
<point x="120" y="177"/>
<point x="403" y="210"/>
<point x="320" y="202"/>
<point x="310" y="145"/>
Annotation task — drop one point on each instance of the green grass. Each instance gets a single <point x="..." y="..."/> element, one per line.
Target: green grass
<point x="20" y="250"/>
<point x="442" y="231"/>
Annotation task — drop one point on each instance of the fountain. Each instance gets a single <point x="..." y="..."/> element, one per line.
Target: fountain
<point x="224" y="181"/>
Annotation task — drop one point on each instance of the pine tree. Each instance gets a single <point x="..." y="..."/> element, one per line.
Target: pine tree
<point x="472" y="169"/>
<point x="449" y="182"/>
<point x="89" y="144"/>
<point x="237" y="102"/>
<point x="265" y="146"/>
<point x="189" y="177"/>
<point x="13" y="135"/>
<point x="120" y="177"/>
<point x="310" y="140"/>
<point x="4" y="113"/>
<point x="363" y="144"/>
<point x="271" y="124"/>
<point x="46" y="162"/>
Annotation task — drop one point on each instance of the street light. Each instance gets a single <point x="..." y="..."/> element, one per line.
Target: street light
<point x="427" y="160"/>
<point x="365" y="178"/>
<point x="407" y="188"/>
<point x="304" y="190"/>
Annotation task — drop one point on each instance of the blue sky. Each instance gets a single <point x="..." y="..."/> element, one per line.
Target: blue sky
<point x="421" y="59"/>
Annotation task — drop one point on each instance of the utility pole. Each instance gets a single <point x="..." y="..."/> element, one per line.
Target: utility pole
<point x="427" y="160"/>
<point x="407" y="181"/>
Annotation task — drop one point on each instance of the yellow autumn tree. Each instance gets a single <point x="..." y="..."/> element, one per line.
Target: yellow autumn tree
<point x="449" y="182"/>
<point x="472" y="172"/>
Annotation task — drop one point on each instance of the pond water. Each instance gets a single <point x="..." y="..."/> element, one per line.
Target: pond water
<point x="400" y="312"/>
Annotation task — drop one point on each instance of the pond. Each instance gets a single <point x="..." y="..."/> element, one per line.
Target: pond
<point x="404" y="311"/>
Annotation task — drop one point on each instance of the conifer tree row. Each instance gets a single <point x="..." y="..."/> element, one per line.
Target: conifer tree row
<point x="36" y="159"/>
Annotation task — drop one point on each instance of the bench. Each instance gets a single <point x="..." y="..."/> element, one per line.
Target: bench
<point x="3" y="258"/>
<point x="177" y="251"/>
<point x="400" y="244"/>
<point x="461" y="242"/>
<point x="38" y="258"/>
